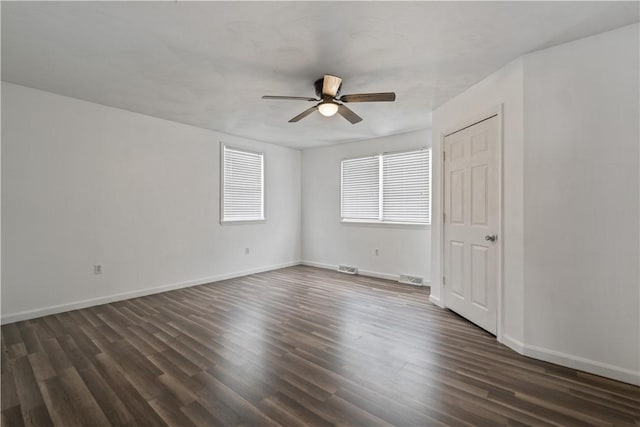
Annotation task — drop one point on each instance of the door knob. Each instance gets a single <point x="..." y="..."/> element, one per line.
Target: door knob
<point x="491" y="238"/>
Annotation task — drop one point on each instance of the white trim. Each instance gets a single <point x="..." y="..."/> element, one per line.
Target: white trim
<point x="378" y="222"/>
<point x="571" y="361"/>
<point x="582" y="364"/>
<point x="319" y="265"/>
<point x="425" y="283"/>
<point x="333" y="267"/>
<point x="221" y="218"/>
<point x="248" y="221"/>
<point x="368" y="273"/>
<point x="76" y="305"/>
<point x="463" y="124"/>
<point x="380" y="190"/>
<point x="500" y="272"/>
<point x="434" y="299"/>
<point x="378" y="275"/>
<point x="512" y="343"/>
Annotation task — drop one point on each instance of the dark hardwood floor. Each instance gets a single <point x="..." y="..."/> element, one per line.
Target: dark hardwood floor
<point x="297" y="346"/>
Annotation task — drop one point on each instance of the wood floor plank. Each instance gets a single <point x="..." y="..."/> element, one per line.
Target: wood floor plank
<point x="26" y="386"/>
<point x="8" y="396"/>
<point x="107" y="398"/>
<point x="12" y="417"/>
<point x="298" y="346"/>
<point x="247" y="412"/>
<point x="199" y="416"/>
<point x="135" y="403"/>
<point x="283" y="403"/>
<point x="170" y="412"/>
<point x="81" y="399"/>
<point x="280" y="415"/>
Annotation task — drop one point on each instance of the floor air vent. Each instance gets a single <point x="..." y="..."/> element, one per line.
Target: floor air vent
<point x="411" y="280"/>
<point x="347" y="269"/>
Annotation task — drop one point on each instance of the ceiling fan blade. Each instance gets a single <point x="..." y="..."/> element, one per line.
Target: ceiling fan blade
<point x="295" y="98"/>
<point x="330" y="85"/>
<point x="348" y="114"/>
<point x="369" y="97"/>
<point x="304" y="114"/>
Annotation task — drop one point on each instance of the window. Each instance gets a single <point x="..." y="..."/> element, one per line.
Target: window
<point x="242" y="185"/>
<point x="405" y="187"/>
<point x="387" y="188"/>
<point x="361" y="188"/>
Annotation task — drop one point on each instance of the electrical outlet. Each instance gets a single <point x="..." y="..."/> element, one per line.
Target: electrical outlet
<point x="97" y="269"/>
<point x="246" y="251"/>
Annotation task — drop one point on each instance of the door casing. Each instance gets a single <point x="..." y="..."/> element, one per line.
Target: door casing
<point x="470" y="121"/>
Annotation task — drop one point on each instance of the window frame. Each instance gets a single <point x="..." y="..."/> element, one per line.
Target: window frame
<point x="222" y="221"/>
<point x="381" y="221"/>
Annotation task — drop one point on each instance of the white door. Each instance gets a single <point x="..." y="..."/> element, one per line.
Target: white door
<point x="471" y="208"/>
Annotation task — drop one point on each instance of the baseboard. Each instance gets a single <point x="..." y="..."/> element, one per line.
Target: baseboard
<point x="76" y="305"/>
<point x="378" y="275"/>
<point x="571" y="361"/>
<point x="582" y="364"/>
<point x="360" y="272"/>
<point x="436" y="300"/>
<point x="368" y="273"/>
<point x="564" y="359"/>
<point x="512" y="343"/>
<point x="319" y="265"/>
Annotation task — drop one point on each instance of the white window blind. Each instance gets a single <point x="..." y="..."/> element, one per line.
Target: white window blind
<point x="242" y="185"/>
<point x="361" y="188"/>
<point x="391" y="188"/>
<point x="405" y="187"/>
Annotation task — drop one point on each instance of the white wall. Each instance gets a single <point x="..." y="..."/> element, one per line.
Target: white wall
<point x="503" y="88"/>
<point x="582" y="294"/>
<point x="571" y="194"/>
<point x="327" y="242"/>
<point x="85" y="184"/>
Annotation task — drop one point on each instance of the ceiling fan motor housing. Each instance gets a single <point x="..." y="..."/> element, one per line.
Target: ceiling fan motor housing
<point x="318" y="87"/>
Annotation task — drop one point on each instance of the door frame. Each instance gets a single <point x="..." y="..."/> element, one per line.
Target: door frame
<point x="496" y="111"/>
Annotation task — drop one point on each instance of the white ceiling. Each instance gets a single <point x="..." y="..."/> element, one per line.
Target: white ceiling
<point x="207" y="64"/>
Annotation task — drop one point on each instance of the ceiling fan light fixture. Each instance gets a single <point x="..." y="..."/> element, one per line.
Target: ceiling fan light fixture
<point x="328" y="109"/>
<point x="328" y="89"/>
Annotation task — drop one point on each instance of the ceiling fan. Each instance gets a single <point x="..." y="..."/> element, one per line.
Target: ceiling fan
<point x="327" y="90"/>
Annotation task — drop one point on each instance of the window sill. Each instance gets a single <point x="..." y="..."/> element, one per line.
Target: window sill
<point x="248" y="221"/>
<point x="386" y="224"/>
